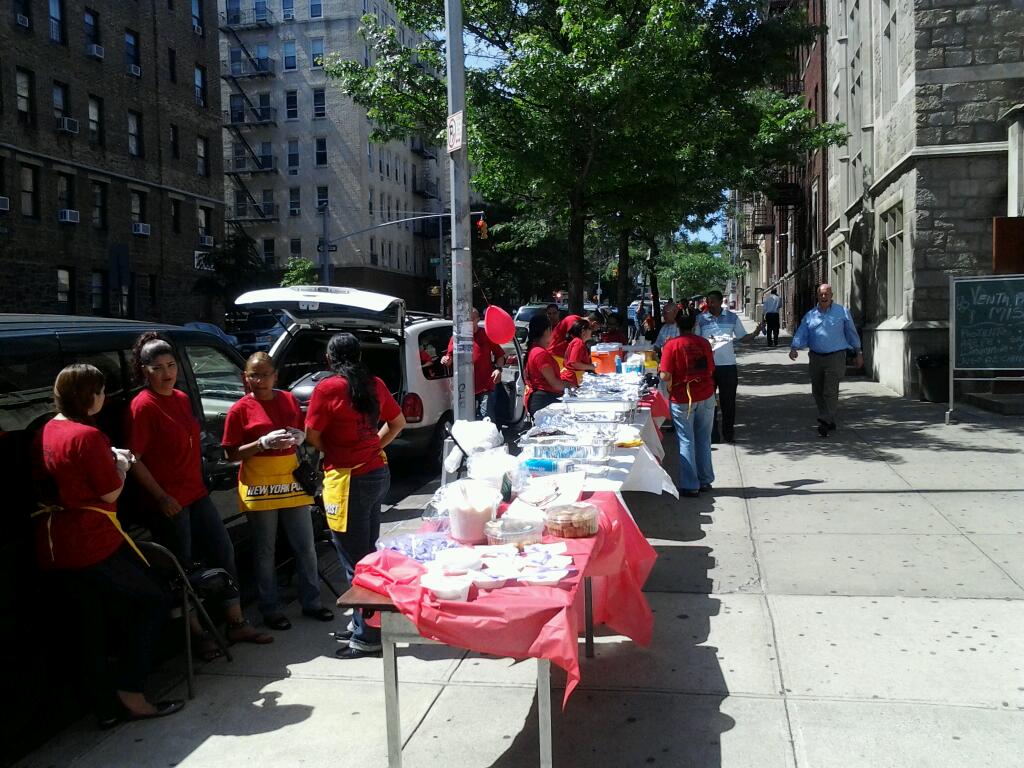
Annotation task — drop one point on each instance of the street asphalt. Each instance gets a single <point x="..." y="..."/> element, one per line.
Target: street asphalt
<point x="856" y="600"/>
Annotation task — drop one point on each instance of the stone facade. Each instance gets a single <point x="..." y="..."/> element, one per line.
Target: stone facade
<point x="921" y="85"/>
<point x="367" y="184"/>
<point x="102" y="267"/>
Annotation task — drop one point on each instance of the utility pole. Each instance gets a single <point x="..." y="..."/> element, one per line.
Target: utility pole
<point x="325" y="248"/>
<point x="462" y="257"/>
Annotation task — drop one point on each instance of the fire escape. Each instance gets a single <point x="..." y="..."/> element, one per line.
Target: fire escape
<point x="248" y="158"/>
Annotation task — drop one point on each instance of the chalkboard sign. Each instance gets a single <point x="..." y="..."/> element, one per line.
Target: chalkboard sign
<point x="988" y="323"/>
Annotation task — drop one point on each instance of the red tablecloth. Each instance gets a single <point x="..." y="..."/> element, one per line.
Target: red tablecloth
<point x="657" y="403"/>
<point x="529" y="621"/>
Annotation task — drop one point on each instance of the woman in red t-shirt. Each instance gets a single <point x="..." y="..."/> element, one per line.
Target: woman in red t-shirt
<point x="577" y="353"/>
<point x="164" y="436"/>
<point x="263" y="431"/>
<point x="687" y="368"/>
<point x="543" y="386"/>
<point x="80" y="477"/>
<point x="351" y="418"/>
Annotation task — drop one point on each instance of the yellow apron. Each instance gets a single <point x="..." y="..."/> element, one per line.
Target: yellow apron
<point x="337" y="487"/>
<point x="111" y="516"/>
<point x="266" y="482"/>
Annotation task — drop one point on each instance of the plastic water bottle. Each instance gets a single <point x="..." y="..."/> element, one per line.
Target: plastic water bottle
<point x="548" y="465"/>
<point x="618" y="364"/>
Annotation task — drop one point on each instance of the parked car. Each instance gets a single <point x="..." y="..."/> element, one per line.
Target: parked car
<point x="33" y="350"/>
<point x="216" y="330"/>
<point x="526" y="312"/>
<point x="256" y="331"/>
<point x="391" y="341"/>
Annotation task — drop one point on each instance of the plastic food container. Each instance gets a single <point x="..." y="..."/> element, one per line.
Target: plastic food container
<point x="447" y="587"/>
<point x="470" y="504"/>
<point x="517" y="532"/>
<point x="572" y="521"/>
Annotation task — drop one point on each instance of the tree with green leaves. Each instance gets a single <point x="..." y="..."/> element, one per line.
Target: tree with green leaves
<point x="642" y="111"/>
<point x="299" y="271"/>
<point x="696" y="266"/>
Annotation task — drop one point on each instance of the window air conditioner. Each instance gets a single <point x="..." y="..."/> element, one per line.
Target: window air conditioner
<point x="135" y="70"/>
<point x="23" y="21"/>
<point x="5" y="203"/>
<point x="206" y="241"/>
<point x="289" y="14"/>
<point x="67" y="216"/>
<point x="94" y="51"/>
<point x="196" y="28"/>
<point x="67" y="125"/>
<point x="138" y="228"/>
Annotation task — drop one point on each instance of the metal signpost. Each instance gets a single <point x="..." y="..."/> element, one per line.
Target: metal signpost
<point x="462" y="257"/>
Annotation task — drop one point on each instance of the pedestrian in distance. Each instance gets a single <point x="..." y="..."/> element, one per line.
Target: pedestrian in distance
<point x="488" y="362"/>
<point x="687" y="368"/>
<point x="79" y="477"/>
<point x="164" y="436"/>
<point x="543" y="384"/>
<point x="351" y="418"/>
<point x="263" y="431"/>
<point x="722" y="327"/>
<point x="827" y="330"/>
<point x="613" y="333"/>
<point x="669" y="329"/>
<point x="553" y="315"/>
<point x="772" y="303"/>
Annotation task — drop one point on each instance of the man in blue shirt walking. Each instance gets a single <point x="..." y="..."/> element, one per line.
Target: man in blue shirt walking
<point x="721" y="327"/>
<point x="828" y="332"/>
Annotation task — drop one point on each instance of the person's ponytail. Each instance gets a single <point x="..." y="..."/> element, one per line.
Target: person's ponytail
<point x="344" y="358"/>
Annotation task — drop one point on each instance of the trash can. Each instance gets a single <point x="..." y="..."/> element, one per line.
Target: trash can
<point x="933" y="378"/>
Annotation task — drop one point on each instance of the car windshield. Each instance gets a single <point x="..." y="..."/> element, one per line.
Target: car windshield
<point x="253" y="322"/>
<point x="525" y="313"/>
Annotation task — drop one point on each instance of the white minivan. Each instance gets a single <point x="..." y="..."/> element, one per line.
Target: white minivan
<point x="403" y="348"/>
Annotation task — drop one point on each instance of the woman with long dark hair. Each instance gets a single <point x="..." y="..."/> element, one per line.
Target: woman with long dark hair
<point x="577" y="353"/>
<point x="164" y="436"/>
<point x="543" y="386"/>
<point x="351" y="418"/>
<point x="80" y="477"/>
<point x="688" y="368"/>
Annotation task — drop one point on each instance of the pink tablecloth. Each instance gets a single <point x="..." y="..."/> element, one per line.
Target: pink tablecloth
<point x="658" y="405"/>
<point x="529" y="621"/>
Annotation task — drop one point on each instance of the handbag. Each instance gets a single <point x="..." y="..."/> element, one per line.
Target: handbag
<point x="307" y="477"/>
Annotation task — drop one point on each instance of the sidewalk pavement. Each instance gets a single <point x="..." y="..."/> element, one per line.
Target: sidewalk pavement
<point x="841" y="602"/>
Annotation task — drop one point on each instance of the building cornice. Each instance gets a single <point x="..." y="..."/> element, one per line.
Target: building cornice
<point x="910" y="159"/>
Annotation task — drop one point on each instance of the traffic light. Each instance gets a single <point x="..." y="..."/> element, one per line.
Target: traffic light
<point x="481" y="229"/>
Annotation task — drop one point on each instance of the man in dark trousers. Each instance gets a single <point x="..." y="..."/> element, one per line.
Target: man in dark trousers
<point x="772" y="304"/>
<point x="721" y="327"/>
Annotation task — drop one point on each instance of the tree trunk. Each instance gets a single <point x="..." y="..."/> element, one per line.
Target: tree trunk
<point x="652" y="263"/>
<point x="622" y="294"/>
<point x="577" y="230"/>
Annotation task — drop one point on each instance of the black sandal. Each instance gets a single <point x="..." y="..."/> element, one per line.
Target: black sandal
<point x="320" y="614"/>
<point x="206" y="648"/>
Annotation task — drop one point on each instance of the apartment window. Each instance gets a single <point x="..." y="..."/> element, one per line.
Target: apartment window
<point x="316" y="9"/>
<point x="389" y="209"/>
<point x="321" y="152"/>
<point x="371" y="201"/>
<point x="175" y="215"/>
<point x="322" y="197"/>
<point x="202" y="159"/>
<point x="369" y="155"/>
<point x="291" y="105"/>
<point x="99" y="205"/>
<point x="134" y="134"/>
<point x="293" y="153"/>
<point x="295" y="248"/>
<point x="91" y="22"/>
<point x="294" y="201"/>
<point x="387" y="165"/>
<point x="65" y="295"/>
<point x="837" y="270"/>
<point x="60" y="99"/>
<point x="98" y="291"/>
<point x="57" y="21"/>
<point x="197" y="13"/>
<point x="316" y="52"/>
<point x="203" y="217"/>
<point x="65" y="191"/>
<point x="319" y="103"/>
<point x="172" y="65"/>
<point x="288" y="9"/>
<point x="30" y="191"/>
<point x="153" y="291"/>
<point x="238" y="160"/>
<point x="175" y="142"/>
<point x="137" y="206"/>
<point x="891" y="253"/>
<point x="381" y="209"/>
<point x="263" y="57"/>
<point x="289" y="56"/>
<point x="199" y="80"/>
<point x="24" y="87"/>
<point x="23" y="8"/>
<point x="380" y="162"/>
<point x="131" y="48"/>
<point x="889" y="75"/>
<point x="373" y="252"/>
<point x="96" y="120"/>
<point x="268" y="250"/>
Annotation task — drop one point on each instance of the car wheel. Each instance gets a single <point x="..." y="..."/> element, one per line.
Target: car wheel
<point x="437" y="441"/>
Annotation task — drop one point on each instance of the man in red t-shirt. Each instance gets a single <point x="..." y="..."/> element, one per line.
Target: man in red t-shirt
<point x="488" y="360"/>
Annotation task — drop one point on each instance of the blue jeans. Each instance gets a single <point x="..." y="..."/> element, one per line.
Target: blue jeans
<point x="693" y="431"/>
<point x="298" y="527"/>
<point x="200" y="534"/>
<point x="365" y="496"/>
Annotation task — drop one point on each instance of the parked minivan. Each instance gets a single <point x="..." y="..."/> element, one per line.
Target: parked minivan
<point x="36" y="634"/>
<point x="391" y="339"/>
